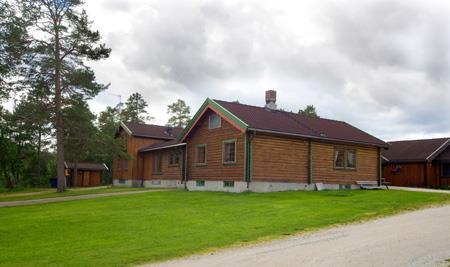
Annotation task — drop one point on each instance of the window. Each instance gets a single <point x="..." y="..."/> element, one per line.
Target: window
<point x="228" y="183"/>
<point x="229" y="151"/>
<point x="174" y="159"/>
<point x="344" y="159"/>
<point x="351" y="159"/>
<point x="214" y="121"/>
<point x="200" y="155"/>
<point x="157" y="164"/>
<point x="339" y="158"/>
<point x="122" y="181"/>
<point x="123" y="164"/>
<point x="200" y="183"/>
<point x="446" y="170"/>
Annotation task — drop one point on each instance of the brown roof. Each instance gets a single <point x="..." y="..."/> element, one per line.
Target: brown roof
<point x="415" y="150"/>
<point x="87" y="166"/>
<point x="153" y="131"/>
<point x="162" y="145"/>
<point x="282" y="122"/>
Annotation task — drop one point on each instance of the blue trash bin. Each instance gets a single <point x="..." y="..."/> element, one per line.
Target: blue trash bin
<point x="54" y="182"/>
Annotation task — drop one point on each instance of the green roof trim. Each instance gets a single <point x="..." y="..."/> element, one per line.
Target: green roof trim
<point x="229" y="115"/>
<point x="215" y="105"/>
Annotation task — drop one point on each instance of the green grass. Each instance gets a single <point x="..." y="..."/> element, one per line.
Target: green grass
<point x="51" y="193"/>
<point x="132" y="229"/>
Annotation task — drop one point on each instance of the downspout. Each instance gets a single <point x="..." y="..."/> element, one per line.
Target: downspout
<point x="185" y="166"/>
<point x="380" y="171"/>
<point x="250" y="158"/>
<point x="310" y="162"/>
<point x="246" y="159"/>
<point x="141" y="169"/>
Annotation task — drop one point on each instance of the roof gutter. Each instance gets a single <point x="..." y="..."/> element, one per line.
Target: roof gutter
<point x="163" y="147"/>
<point x="315" y="137"/>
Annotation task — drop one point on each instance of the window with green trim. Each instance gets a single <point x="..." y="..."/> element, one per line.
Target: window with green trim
<point x="200" y="183"/>
<point x="229" y="151"/>
<point x="214" y="121"/>
<point x="174" y="158"/>
<point x="344" y="158"/>
<point x="200" y="154"/>
<point x="228" y="183"/>
<point x="157" y="164"/>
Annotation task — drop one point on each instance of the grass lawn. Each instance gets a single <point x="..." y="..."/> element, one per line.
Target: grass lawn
<point x="132" y="229"/>
<point x="51" y="193"/>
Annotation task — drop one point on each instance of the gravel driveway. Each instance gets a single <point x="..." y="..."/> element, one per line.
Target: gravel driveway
<point x="419" y="238"/>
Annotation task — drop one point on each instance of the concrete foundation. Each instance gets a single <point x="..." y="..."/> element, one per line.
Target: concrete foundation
<point x="148" y="183"/>
<point x="127" y="182"/>
<point x="277" y="186"/>
<point x="164" y="184"/>
<point x="238" y="187"/>
<point x="217" y="186"/>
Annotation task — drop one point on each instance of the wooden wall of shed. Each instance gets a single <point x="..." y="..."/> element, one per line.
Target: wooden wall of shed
<point x="133" y="145"/>
<point x="414" y="174"/>
<point x="409" y="174"/>
<point x="169" y="172"/>
<point x="87" y="178"/>
<point x="215" y="169"/>
<point x="367" y="167"/>
<point x="277" y="159"/>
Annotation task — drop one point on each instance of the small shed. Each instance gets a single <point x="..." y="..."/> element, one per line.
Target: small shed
<point x="89" y="174"/>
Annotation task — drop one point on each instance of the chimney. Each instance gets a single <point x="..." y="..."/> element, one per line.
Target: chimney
<point x="168" y="131"/>
<point x="271" y="99"/>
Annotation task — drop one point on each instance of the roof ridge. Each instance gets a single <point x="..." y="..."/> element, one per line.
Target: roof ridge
<point x="149" y="124"/>
<point x="281" y="111"/>
<point x="415" y="140"/>
<point x="304" y="125"/>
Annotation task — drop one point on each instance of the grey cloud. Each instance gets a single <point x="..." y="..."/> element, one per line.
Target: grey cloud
<point x="382" y="65"/>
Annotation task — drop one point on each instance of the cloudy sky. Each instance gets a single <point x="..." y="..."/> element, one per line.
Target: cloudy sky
<point x="383" y="66"/>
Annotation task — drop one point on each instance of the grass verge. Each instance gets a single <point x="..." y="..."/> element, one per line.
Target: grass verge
<point x="51" y="193"/>
<point x="133" y="229"/>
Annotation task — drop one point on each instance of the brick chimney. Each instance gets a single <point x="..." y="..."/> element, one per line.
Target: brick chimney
<point x="271" y="99"/>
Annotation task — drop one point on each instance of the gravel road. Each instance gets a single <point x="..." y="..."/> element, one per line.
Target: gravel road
<point x="419" y="238"/>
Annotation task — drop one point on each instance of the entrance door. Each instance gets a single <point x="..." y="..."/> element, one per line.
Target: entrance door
<point x="86" y="178"/>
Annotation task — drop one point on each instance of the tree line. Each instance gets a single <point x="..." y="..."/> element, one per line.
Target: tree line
<point x="27" y="137"/>
<point x="45" y="46"/>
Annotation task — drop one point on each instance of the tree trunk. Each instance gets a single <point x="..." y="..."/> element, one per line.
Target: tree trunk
<point x="58" y="114"/>
<point x="39" y="157"/>
<point x="75" y="173"/>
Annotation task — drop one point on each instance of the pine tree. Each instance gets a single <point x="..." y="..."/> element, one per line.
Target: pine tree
<point x="180" y="114"/>
<point x="61" y="40"/>
<point x="310" y="110"/>
<point x="135" y="109"/>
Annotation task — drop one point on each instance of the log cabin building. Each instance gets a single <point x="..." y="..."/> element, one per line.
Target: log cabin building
<point x="418" y="163"/>
<point x="233" y="147"/>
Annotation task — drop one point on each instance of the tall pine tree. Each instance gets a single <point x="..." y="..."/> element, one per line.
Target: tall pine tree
<point x="61" y="41"/>
<point x="135" y="109"/>
<point x="180" y="114"/>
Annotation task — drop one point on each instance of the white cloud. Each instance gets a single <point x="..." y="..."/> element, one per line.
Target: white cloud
<point x="380" y="65"/>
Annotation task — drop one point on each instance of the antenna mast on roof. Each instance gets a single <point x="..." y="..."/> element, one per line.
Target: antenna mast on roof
<point x="120" y="101"/>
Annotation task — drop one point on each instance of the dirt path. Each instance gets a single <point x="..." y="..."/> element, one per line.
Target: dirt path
<point x="417" y="189"/>
<point x="62" y="199"/>
<point x="420" y="238"/>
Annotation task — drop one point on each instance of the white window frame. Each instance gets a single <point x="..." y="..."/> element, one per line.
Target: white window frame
<point x="209" y="121"/>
